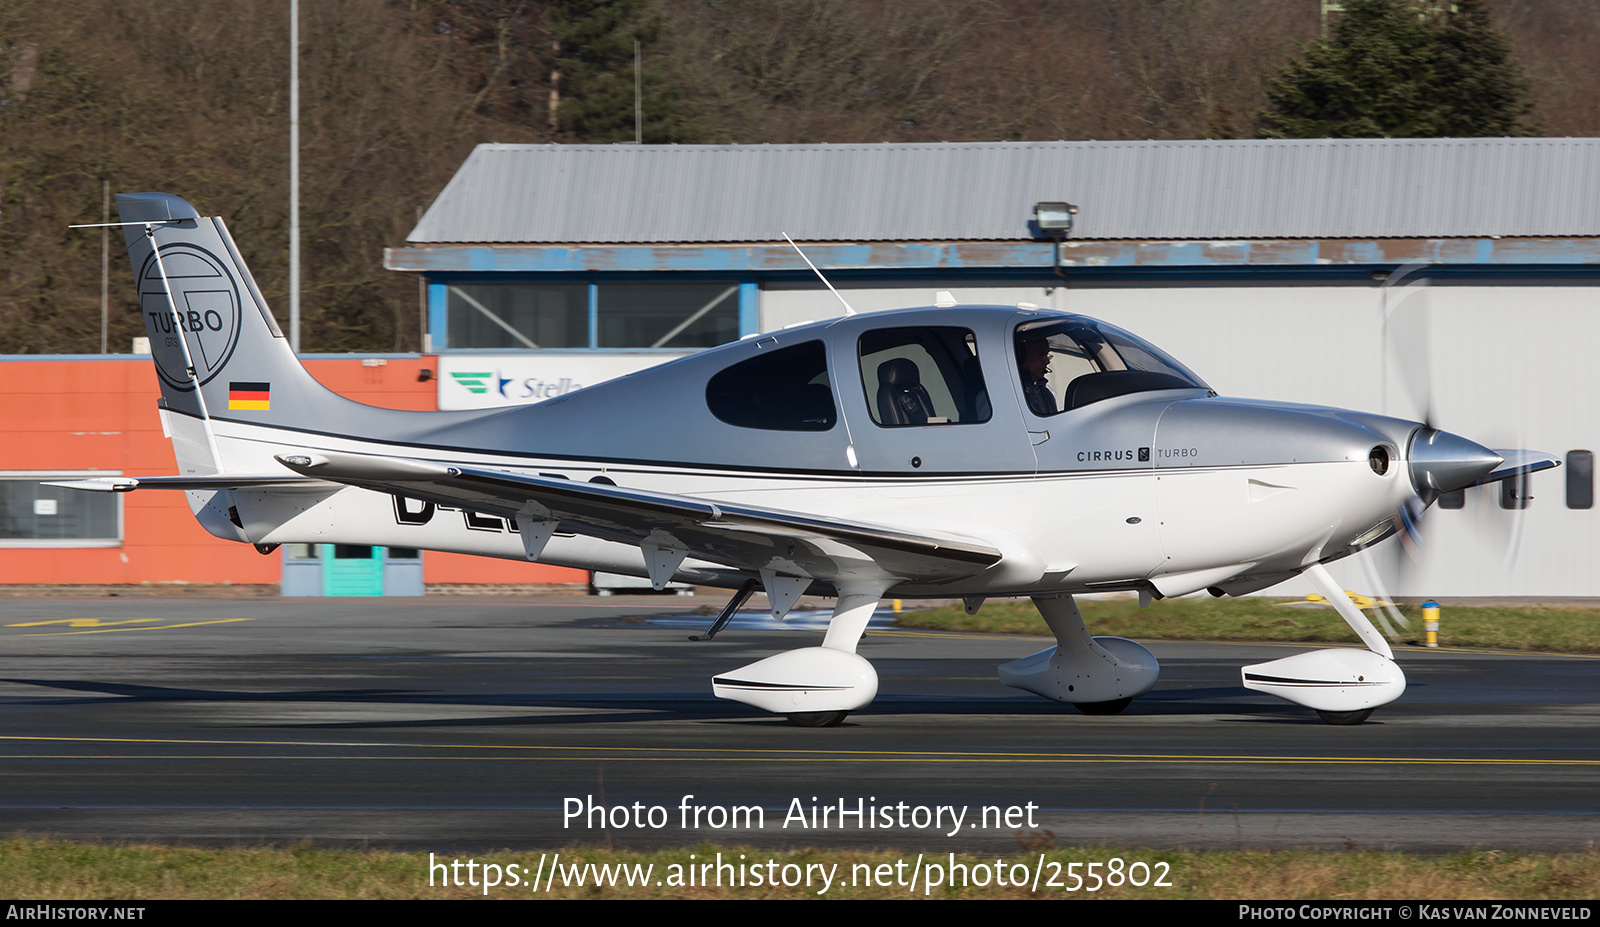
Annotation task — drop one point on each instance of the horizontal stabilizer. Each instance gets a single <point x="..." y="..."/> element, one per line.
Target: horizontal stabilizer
<point x="220" y="481"/>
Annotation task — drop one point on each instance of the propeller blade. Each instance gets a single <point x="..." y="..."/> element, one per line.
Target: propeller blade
<point x="1406" y="339"/>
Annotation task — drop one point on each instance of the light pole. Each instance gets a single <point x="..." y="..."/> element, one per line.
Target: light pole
<point x="294" y="175"/>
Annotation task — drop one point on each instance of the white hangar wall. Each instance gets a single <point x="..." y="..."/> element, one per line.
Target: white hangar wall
<point x="1507" y="364"/>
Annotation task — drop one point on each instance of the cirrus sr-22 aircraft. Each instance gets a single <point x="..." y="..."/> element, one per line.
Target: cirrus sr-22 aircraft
<point x="969" y="452"/>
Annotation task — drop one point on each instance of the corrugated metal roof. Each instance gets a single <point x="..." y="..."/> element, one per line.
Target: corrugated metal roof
<point x="1155" y="190"/>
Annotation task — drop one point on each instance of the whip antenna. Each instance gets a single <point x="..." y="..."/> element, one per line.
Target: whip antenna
<point x="847" y="308"/>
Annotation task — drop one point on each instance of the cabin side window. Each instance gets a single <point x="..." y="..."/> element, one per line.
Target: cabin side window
<point x="923" y="376"/>
<point x="780" y="389"/>
<point x="1073" y="362"/>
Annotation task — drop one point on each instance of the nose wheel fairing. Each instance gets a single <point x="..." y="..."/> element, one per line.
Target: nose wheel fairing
<point x="1344" y="680"/>
<point x="1342" y="685"/>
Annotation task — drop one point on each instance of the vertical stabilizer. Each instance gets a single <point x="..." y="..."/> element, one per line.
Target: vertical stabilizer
<point x="216" y="345"/>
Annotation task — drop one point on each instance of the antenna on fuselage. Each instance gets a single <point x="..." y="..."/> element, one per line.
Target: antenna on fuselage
<point x="847" y="308"/>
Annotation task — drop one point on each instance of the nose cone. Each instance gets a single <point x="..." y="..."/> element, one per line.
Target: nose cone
<point x="1442" y="462"/>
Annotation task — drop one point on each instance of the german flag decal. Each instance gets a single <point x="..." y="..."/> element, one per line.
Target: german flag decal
<point x="255" y="396"/>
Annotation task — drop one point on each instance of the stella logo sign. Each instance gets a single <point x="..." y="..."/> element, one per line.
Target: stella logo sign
<point x="516" y="388"/>
<point x="474" y="382"/>
<point x="207" y="317"/>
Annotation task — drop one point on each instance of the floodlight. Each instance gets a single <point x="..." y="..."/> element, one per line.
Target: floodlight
<point x="1054" y="217"/>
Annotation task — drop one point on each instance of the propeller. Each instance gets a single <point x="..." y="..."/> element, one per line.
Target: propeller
<point x="1439" y="461"/>
<point x="1407" y="350"/>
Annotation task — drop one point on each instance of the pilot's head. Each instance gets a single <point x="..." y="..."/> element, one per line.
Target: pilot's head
<point x="1033" y="356"/>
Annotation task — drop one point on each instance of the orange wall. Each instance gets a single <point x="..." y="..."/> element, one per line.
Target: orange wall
<point x="100" y="414"/>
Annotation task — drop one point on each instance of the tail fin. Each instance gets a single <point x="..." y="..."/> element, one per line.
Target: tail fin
<point x="215" y="343"/>
<point x="220" y="354"/>
<point x="223" y="363"/>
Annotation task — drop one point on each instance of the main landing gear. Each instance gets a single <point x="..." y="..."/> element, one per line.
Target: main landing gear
<point x="1096" y="675"/>
<point x="812" y="686"/>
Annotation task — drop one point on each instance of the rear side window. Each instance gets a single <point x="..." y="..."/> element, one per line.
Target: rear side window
<point x="780" y="389"/>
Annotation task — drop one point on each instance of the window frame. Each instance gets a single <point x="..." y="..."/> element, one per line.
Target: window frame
<point x="41" y="476"/>
<point x="746" y="300"/>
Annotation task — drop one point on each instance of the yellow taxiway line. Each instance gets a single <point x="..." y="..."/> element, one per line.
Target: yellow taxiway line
<point x="703" y="754"/>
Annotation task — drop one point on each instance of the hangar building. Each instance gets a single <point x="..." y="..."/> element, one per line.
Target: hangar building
<point x="1455" y="279"/>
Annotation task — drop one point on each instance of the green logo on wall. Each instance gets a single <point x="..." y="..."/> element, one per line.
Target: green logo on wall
<point x="474" y="382"/>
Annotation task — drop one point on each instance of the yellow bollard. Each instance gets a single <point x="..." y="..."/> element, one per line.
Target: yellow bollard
<point x="1430" y="621"/>
<point x="897" y="606"/>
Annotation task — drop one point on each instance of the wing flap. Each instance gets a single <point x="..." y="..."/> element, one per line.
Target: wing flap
<point x="740" y="536"/>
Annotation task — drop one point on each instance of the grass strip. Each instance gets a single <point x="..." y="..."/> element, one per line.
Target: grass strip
<point x="41" y="870"/>
<point x="1566" y="629"/>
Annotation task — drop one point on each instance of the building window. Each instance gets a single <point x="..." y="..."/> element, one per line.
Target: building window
<point x="518" y="315"/>
<point x="667" y="315"/>
<point x="1580" y="480"/>
<point x="533" y="316"/>
<point x="35" y="515"/>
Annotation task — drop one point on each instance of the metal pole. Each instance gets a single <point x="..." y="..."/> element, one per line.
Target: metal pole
<point x="105" y="259"/>
<point x="294" y="175"/>
<point x="422" y="305"/>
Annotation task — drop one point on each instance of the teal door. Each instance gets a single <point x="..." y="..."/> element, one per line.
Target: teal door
<point x="352" y="569"/>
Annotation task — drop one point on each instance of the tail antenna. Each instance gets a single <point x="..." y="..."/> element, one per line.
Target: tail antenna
<point x="848" y="310"/>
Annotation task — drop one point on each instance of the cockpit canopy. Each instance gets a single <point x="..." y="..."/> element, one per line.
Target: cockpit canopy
<point x="1070" y="362"/>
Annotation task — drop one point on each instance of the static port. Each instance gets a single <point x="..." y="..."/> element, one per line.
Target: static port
<point x="1378" y="460"/>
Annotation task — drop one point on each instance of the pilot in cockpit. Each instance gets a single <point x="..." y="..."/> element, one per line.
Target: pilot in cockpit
<point x="1033" y="357"/>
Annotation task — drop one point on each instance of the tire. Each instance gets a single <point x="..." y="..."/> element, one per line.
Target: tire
<point x="817" y="718"/>
<point x="1103" y="708"/>
<point x="1345" y="717"/>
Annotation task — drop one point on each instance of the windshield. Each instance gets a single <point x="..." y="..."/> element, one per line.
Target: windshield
<point x="1070" y="362"/>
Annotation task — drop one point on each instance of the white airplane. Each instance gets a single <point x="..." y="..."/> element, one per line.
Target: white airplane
<point x="964" y="452"/>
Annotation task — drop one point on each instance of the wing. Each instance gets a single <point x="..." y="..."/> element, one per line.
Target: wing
<point x="668" y="528"/>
